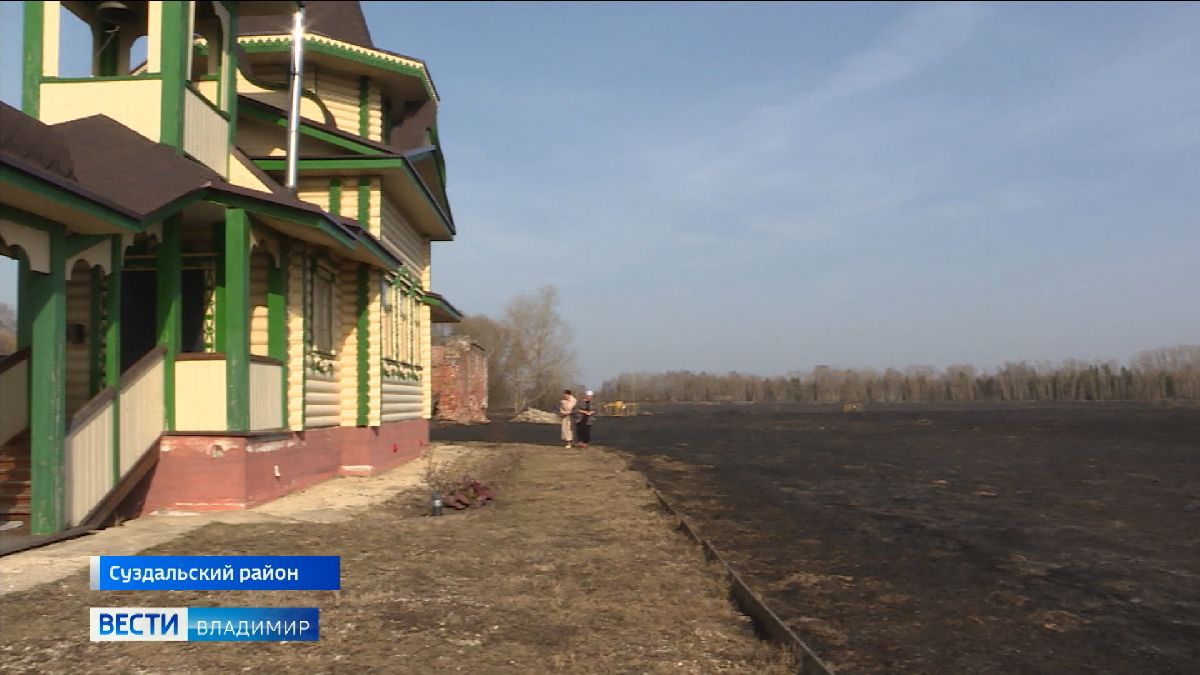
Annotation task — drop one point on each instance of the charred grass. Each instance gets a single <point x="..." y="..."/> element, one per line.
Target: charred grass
<point x="948" y="539"/>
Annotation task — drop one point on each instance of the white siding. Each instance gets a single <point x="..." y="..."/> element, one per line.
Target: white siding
<point x="205" y="133"/>
<point x="266" y="396"/>
<point x="141" y="414"/>
<point x="322" y="401"/>
<point x="402" y="401"/>
<point x="348" y="356"/>
<point x="200" y="403"/>
<point x="258" y="303"/>
<point x="401" y="236"/>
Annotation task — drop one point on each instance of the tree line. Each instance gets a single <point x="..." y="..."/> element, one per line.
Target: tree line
<point x="1153" y="375"/>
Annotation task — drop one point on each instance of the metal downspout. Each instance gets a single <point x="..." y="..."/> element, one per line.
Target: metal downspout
<point x="297" y="81"/>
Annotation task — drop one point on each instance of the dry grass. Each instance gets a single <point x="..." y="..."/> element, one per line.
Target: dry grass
<point x="573" y="570"/>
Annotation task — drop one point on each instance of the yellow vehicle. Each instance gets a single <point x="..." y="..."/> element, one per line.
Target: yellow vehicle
<point x="620" y="409"/>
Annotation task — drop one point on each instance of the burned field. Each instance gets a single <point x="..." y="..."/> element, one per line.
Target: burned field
<point x="967" y="539"/>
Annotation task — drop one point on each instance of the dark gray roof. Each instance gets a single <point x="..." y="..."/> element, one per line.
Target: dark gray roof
<point x="338" y="20"/>
<point x="141" y="175"/>
<point x="30" y="140"/>
<point x="128" y="168"/>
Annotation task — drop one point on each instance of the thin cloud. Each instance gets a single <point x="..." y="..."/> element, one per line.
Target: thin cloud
<point x="929" y="34"/>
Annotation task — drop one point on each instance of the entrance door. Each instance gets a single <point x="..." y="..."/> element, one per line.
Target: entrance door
<point x="139" y="307"/>
<point x="139" y="298"/>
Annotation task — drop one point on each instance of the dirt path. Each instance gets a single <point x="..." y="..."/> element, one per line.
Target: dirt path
<point x="329" y="502"/>
<point x="573" y="570"/>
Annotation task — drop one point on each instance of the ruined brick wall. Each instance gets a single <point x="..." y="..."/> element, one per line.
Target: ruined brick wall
<point x="460" y="380"/>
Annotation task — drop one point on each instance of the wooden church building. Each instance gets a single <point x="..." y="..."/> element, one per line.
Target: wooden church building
<point x="192" y="331"/>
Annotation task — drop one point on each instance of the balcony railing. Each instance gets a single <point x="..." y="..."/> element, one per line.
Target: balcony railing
<point x="205" y="131"/>
<point x="200" y="393"/>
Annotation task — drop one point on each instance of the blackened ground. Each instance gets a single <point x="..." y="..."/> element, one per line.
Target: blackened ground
<point x="949" y="539"/>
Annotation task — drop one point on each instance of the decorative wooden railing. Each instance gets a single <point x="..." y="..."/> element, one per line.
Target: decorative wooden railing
<point x="112" y="441"/>
<point x="200" y="393"/>
<point x="205" y="131"/>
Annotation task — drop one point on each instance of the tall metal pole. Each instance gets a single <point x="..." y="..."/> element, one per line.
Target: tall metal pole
<point x="297" y="80"/>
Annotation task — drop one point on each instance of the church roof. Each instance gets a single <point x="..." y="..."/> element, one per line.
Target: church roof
<point x="342" y="21"/>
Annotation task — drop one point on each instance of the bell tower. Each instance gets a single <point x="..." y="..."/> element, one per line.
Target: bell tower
<point x="183" y="94"/>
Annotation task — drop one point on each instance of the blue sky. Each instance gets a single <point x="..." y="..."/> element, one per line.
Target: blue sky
<point x="767" y="187"/>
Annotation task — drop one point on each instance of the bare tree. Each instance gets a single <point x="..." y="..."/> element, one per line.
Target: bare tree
<point x="541" y="359"/>
<point x="529" y="352"/>
<point x="496" y="339"/>
<point x="8" y="329"/>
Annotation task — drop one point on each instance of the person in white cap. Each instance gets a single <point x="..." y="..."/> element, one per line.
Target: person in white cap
<point x="583" y="428"/>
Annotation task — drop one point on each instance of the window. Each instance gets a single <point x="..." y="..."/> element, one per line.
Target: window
<point x="409" y="333"/>
<point x="322" y="310"/>
<point x="390" y="330"/>
<point x="414" y="345"/>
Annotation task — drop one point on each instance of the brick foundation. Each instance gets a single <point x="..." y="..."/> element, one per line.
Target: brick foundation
<point x="223" y="473"/>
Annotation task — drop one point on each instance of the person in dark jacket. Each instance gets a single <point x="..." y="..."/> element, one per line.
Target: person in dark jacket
<point x="587" y="414"/>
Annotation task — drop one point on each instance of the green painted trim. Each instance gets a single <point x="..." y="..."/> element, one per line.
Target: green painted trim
<point x="364" y="106"/>
<point x="311" y="131"/>
<point x="360" y="163"/>
<point x="237" y="320"/>
<point x="364" y="346"/>
<point x="95" y="338"/>
<point x="20" y="179"/>
<point x="306" y="272"/>
<point x="76" y="244"/>
<point x="22" y="217"/>
<point x="170" y="281"/>
<point x="31" y="44"/>
<point x="418" y="155"/>
<point x="360" y="55"/>
<point x="429" y="200"/>
<point x="218" y="239"/>
<point x="386" y="258"/>
<point x="314" y="220"/>
<point x="405" y="277"/>
<point x="432" y="301"/>
<point x="385" y="116"/>
<point x="364" y="202"/>
<point x="335" y="195"/>
<point x="441" y="159"/>
<point x="106" y="60"/>
<point x="228" y="85"/>
<point x="277" y="308"/>
<point x="112" y="346"/>
<point x="103" y="78"/>
<point x="175" y="206"/>
<point x="48" y="397"/>
<point x="24" y="313"/>
<point x="175" y="46"/>
<point x="277" y="318"/>
<point x="365" y="164"/>
<point x="204" y="99"/>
